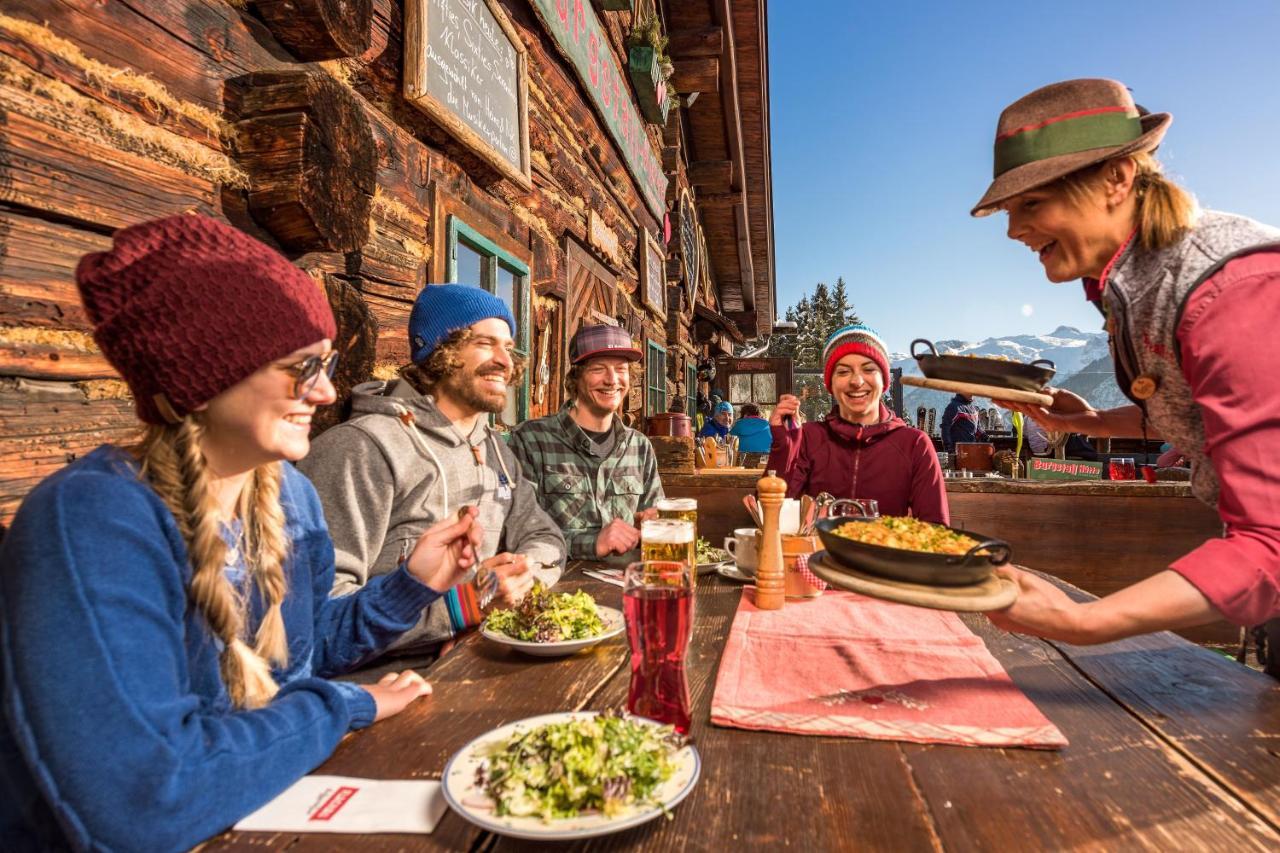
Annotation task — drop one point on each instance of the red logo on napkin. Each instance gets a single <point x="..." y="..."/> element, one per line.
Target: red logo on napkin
<point x="334" y="803"/>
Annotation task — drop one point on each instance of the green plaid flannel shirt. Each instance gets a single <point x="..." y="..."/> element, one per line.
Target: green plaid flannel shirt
<point x="580" y="490"/>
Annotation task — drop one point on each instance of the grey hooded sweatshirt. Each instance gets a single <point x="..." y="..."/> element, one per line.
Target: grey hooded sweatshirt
<point x="383" y="481"/>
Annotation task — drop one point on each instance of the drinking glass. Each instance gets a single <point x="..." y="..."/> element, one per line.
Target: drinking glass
<point x="657" y="599"/>
<point x="1149" y="473"/>
<point x="1122" y="468"/>
<point x="669" y="539"/>
<point x="678" y="509"/>
<point x="858" y="508"/>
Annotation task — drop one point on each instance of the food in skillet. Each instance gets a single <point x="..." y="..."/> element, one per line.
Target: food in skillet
<point x="549" y="617"/>
<point x="907" y="534"/>
<point x="608" y="763"/>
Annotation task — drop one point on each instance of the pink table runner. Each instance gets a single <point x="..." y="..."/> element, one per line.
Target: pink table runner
<point x="847" y="665"/>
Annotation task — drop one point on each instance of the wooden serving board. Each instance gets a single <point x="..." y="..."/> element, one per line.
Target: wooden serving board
<point x="995" y="392"/>
<point x="994" y="593"/>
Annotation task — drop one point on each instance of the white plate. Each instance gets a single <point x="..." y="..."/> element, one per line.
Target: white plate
<point x="709" y="568"/>
<point x="462" y="793"/>
<point x="730" y="571"/>
<point x="613" y="626"/>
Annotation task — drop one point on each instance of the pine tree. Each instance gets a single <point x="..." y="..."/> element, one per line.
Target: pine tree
<point x="843" y="310"/>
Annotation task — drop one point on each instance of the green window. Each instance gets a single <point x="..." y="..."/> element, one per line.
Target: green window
<point x="474" y="259"/>
<point x="656" y="379"/>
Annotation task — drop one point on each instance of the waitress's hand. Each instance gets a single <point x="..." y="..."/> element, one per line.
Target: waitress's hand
<point x="1069" y="412"/>
<point x="788" y="404"/>
<point x="446" y="551"/>
<point x="1042" y="609"/>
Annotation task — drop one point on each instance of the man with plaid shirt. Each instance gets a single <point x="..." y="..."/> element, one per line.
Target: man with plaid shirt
<point x="594" y="476"/>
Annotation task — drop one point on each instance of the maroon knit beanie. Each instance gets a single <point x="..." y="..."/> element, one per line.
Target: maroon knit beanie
<point x="186" y="307"/>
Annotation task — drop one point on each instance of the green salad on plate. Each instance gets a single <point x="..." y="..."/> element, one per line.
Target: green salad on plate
<point x="549" y="617"/>
<point x="607" y="763"/>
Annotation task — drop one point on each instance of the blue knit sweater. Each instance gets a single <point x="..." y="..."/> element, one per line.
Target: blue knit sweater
<point x="117" y="732"/>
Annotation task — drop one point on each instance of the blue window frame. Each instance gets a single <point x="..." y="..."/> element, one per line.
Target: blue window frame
<point x="477" y="260"/>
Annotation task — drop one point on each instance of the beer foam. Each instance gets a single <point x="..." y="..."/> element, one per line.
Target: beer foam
<point x="677" y="505"/>
<point x="666" y="532"/>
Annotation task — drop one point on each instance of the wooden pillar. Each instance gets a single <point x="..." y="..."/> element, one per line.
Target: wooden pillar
<point x="309" y="152"/>
<point x="319" y="29"/>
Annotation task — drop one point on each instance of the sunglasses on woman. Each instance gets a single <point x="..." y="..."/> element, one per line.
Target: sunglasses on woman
<point x="307" y="372"/>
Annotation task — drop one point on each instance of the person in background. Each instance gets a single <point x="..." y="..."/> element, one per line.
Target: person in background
<point x="1187" y="295"/>
<point x="417" y="449"/>
<point x="167" y="631"/>
<point x="861" y="449"/>
<point x="752" y="431"/>
<point x="961" y="422"/>
<point x="595" y="477"/>
<point x="718" y="426"/>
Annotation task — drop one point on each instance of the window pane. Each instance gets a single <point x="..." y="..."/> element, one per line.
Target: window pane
<point x="763" y="385"/>
<point x="467" y="266"/>
<point x="507" y="291"/>
<point x="740" y="388"/>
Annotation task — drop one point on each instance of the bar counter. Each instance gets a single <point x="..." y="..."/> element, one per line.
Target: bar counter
<point x="1098" y="535"/>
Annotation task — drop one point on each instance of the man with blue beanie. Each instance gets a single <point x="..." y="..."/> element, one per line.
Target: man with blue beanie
<point x="420" y="448"/>
<point x="721" y="420"/>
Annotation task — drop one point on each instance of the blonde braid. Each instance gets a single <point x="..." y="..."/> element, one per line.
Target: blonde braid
<point x="268" y="546"/>
<point x="175" y="465"/>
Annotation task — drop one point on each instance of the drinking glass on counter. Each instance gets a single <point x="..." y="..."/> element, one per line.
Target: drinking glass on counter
<point x="679" y="509"/>
<point x="1122" y="468"/>
<point x="657" y="600"/>
<point x="669" y="539"/>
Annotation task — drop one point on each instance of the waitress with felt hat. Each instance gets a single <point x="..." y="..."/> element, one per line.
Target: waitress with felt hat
<point x="1187" y="296"/>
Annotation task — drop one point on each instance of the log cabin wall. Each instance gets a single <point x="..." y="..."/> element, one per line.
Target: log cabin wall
<point x="294" y="128"/>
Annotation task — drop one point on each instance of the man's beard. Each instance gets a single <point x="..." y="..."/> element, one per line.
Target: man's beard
<point x="465" y="388"/>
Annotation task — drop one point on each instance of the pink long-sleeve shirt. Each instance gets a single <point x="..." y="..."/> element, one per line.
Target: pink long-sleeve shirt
<point x="1226" y="335"/>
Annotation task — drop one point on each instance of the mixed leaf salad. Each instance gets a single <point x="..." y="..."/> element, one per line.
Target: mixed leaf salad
<point x="549" y="617"/>
<point x="608" y="763"/>
<point x="708" y="553"/>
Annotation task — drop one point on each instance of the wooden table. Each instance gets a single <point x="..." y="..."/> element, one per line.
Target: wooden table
<point x="1172" y="748"/>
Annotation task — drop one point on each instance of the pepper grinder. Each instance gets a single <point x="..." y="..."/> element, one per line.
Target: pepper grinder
<point x="770" y="577"/>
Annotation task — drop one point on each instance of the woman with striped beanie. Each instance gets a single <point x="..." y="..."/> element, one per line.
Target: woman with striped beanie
<point x="861" y="449"/>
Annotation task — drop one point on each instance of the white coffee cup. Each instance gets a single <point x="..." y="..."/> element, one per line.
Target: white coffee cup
<point x="745" y="548"/>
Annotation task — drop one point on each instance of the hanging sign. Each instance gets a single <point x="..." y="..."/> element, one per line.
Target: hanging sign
<point x="582" y="39"/>
<point x="466" y="67"/>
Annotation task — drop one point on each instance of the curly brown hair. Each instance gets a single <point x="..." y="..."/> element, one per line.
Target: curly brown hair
<point x="446" y="359"/>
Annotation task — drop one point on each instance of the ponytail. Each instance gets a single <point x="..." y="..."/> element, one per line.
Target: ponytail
<point x="1165" y="210"/>
<point x="174" y="464"/>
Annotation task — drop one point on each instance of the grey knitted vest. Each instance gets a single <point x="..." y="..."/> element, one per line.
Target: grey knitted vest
<point x="1144" y="297"/>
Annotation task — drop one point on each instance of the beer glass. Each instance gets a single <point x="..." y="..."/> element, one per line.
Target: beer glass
<point x="680" y="509"/>
<point x="657" y="599"/>
<point x="669" y="539"/>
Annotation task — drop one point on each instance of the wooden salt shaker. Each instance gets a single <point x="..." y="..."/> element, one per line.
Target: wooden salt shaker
<point x="770" y="577"/>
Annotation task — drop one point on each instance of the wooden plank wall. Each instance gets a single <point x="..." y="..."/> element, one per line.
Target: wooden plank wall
<point x="112" y="113"/>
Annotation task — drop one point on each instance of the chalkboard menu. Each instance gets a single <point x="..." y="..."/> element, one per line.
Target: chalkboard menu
<point x="653" y="274"/>
<point x="689" y="244"/>
<point x="465" y="66"/>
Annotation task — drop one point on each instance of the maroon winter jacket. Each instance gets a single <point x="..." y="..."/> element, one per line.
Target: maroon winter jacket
<point x="890" y="462"/>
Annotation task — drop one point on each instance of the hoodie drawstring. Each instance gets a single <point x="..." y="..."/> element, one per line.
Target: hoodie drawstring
<point x="407" y="420"/>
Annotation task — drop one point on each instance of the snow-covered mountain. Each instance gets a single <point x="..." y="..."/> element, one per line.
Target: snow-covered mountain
<point x="1082" y="361"/>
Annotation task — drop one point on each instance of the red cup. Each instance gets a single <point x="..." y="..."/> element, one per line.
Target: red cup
<point x="1149" y="473"/>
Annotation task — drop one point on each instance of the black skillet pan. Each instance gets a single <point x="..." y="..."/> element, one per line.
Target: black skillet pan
<point x="913" y="566"/>
<point x="983" y="371"/>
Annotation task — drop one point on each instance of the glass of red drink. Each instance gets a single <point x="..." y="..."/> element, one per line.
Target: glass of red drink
<point x="1122" y="468"/>
<point x="657" y="599"/>
<point x="1149" y="473"/>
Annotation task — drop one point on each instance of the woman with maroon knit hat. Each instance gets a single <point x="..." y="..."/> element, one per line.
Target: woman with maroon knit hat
<point x="1190" y="299"/>
<point x="861" y="449"/>
<point x="165" y="625"/>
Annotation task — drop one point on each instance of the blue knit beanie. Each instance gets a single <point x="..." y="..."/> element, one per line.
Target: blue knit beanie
<point x="724" y="406"/>
<point x="441" y="309"/>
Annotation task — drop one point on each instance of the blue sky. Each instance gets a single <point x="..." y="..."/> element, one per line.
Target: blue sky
<point x="883" y="115"/>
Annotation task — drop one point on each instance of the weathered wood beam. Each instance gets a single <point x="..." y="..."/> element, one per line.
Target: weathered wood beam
<point x="319" y="29"/>
<point x="697" y="75"/>
<point x="309" y="152"/>
<point x="714" y="176"/>
<point x="686" y="44"/>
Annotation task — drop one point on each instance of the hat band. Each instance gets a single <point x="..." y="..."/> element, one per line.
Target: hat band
<point x="1067" y="135"/>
